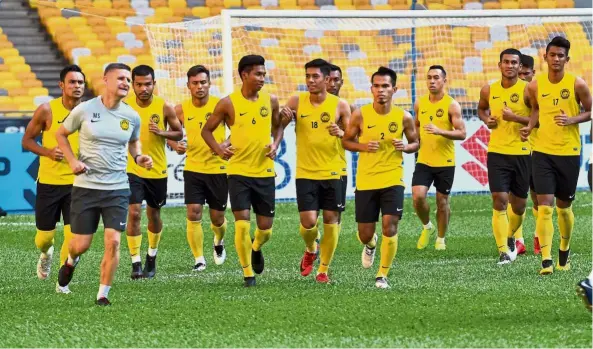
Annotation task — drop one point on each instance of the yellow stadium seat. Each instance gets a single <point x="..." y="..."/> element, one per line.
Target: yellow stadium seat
<point x="452" y="4"/>
<point x="5" y="100"/>
<point x="546" y="4"/>
<point x="8" y="52"/>
<point x="76" y="22"/>
<point x="492" y="5"/>
<point x="65" y="4"/>
<point x="102" y="4"/>
<point x="163" y="12"/>
<point x="22" y="100"/>
<point x="564" y="3"/>
<point x="20" y="68"/>
<point x="527" y="4"/>
<point x="232" y="3"/>
<point x="10" y="83"/>
<point x="38" y="91"/>
<point x="512" y="5"/>
<point x="158" y="3"/>
<point x="386" y="7"/>
<point x="94" y="44"/>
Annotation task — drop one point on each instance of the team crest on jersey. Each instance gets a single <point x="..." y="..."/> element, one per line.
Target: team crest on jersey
<point x="124" y="124"/>
<point x="325" y="117"/>
<point x="515" y="97"/>
<point x="440" y="113"/>
<point x="155" y="118"/>
<point x="565" y="93"/>
<point x="208" y="115"/>
<point x="264" y="111"/>
<point x="393" y="127"/>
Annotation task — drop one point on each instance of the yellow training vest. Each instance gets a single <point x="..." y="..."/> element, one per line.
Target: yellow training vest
<point x="384" y="168"/>
<point x="435" y="151"/>
<point x="50" y="171"/>
<point x="506" y="138"/>
<point x="152" y="145"/>
<point x="551" y="138"/>
<point x="199" y="155"/>
<point x="318" y="155"/>
<point x="250" y="134"/>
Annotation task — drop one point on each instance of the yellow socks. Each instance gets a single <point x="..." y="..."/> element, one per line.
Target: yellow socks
<point x="154" y="239"/>
<point x="64" y="250"/>
<point x="260" y="238"/>
<point x="44" y="239"/>
<point x="309" y="236"/>
<point x="388" y="251"/>
<point x="500" y="227"/>
<point x="545" y="230"/>
<point x="195" y="238"/>
<point x="243" y="246"/>
<point x="565" y="225"/>
<point x="218" y="232"/>
<point x="134" y="243"/>
<point x="328" y="245"/>
<point x="515" y="223"/>
<point x="371" y="244"/>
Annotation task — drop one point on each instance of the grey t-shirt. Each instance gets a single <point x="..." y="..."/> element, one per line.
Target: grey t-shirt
<point x="103" y="137"/>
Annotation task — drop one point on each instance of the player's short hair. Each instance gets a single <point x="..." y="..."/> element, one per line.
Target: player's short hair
<point x="439" y="67"/>
<point x="527" y="61"/>
<point x="142" y="70"/>
<point x="384" y="71"/>
<point x="116" y="66"/>
<point x="333" y="67"/>
<point x="67" y="69"/>
<point x="510" y="51"/>
<point x="559" y="41"/>
<point x="198" y="69"/>
<point x="322" y="64"/>
<point x="248" y="62"/>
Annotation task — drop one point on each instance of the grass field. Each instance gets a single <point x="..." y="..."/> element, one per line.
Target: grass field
<point x="455" y="298"/>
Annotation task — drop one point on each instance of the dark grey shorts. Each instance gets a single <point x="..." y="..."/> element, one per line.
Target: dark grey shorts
<point x="88" y="205"/>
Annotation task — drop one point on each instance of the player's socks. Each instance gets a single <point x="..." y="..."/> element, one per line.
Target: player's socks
<point x="545" y="231"/>
<point x="134" y="243"/>
<point x="195" y="238"/>
<point x="64" y="250"/>
<point x="44" y="239"/>
<point x="261" y="237"/>
<point x="218" y="232"/>
<point x="371" y="244"/>
<point x="328" y="245"/>
<point x="565" y="226"/>
<point x="153" y="242"/>
<point x="500" y="227"/>
<point x="103" y="291"/>
<point x="388" y="251"/>
<point x="515" y="223"/>
<point x="309" y="237"/>
<point x="243" y="246"/>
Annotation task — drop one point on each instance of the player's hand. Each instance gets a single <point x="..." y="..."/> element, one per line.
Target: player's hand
<point x="399" y="144"/>
<point x="507" y="114"/>
<point x="181" y="147"/>
<point x="372" y="146"/>
<point x="272" y="151"/>
<point x="562" y="119"/>
<point x="226" y="150"/>
<point x="491" y="122"/>
<point x="154" y="128"/>
<point x="431" y="129"/>
<point x="525" y="132"/>
<point x="56" y="154"/>
<point x="287" y="115"/>
<point x="78" y="167"/>
<point x="144" y="161"/>
<point x="335" y="130"/>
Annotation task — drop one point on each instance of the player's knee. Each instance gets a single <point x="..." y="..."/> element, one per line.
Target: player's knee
<point x="111" y="246"/>
<point x="308" y="224"/>
<point x="389" y="229"/>
<point x="264" y="225"/>
<point x="443" y="204"/>
<point x="330" y="217"/>
<point x="216" y="218"/>
<point x="134" y="216"/>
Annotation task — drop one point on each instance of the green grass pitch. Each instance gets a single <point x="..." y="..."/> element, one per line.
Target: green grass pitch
<point x="454" y="298"/>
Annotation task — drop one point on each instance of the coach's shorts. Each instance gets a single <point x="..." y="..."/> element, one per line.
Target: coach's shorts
<point x="153" y="190"/>
<point x="52" y="200"/>
<point x="509" y="173"/>
<point x="246" y="192"/>
<point x="88" y="205"/>
<point x="203" y="188"/>
<point x="389" y="201"/>
<point x="555" y="174"/>
<point x="442" y="177"/>
<point x="315" y="195"/>
<point x="344" y="188"/>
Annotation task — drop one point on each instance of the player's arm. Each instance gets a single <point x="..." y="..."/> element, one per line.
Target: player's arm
<point x="175" y="133"/>
<point x="343" y="119"/>
<point x="34" y="129"/>
<point x="411" y="136"/>
<point x="71" y="124"/>
<point x="583" y="95"/>
<point x="484" y="108"/>
<point x="135" y="147"/>
<point x="178" y="147"/>
<point x="288" y="112"/>
<point x="222" y="111"/>
<point x="277" y="128"/>
<point x="350" y="139"/>
<point x="458" y="132"/>
<point x="534" y="117"/>
<point x="417" y="119"/>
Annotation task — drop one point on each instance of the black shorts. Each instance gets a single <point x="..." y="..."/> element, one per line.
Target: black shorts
<point x="315" y="195"/>
<point x="531" y="184"/>
<point x="203" y="188"/>
<point x="88" y="205"/>
<point x="556" y="174"/>
<point x="153" y="190"/>
<point x="344" y="188"/>
<point x="442" y="177"/>
<point x="246" y="192"/>
<point x="509" y="173"/>
<point x="390" y="201"/>
<point x="52" y="200"/>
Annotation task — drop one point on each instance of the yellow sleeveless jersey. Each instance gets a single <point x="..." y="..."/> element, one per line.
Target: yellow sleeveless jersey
<point x="551" y="138"/>
<point x="384" y="168"/>
<point x="56" y="172"/>
<point x="343" y="161"/>
<point x="435" y="151"/>
<point x="250" y="134"/>
<point x="533" y="138"/>
<point x="318" y="155"/>
<point x="152" y="145"/>
<point x="199" y="155"/>
<point x="506" y="138"/>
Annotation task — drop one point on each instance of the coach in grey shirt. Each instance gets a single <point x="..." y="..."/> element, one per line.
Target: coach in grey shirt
<point x="108" y="129"/>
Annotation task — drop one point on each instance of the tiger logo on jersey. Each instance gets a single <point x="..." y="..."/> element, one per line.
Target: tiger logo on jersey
<point x="325" y="117"/>
<point x="393" y="127"/>
<point x="440" y="113"/>
<point x="515" y="97"/>
<point x="208" y="115"/>
<point x="155" y="118"/>
<point x="264" y="111"/>
<point x="565" y="93"/>
<point x="125" y="125"/>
